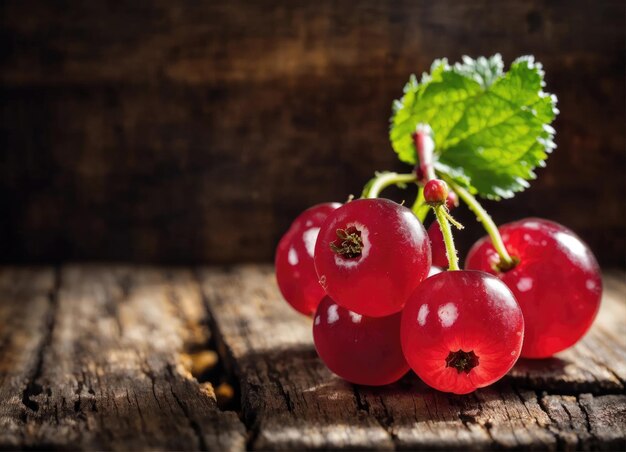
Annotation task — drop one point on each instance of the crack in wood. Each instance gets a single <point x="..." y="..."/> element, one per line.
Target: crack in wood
<point x="560" y="440"/>
<point x="586" y="415"/>
<point x="192" y="423"/>
<point x="33" y="388"/>
<point x="94" y="371"/>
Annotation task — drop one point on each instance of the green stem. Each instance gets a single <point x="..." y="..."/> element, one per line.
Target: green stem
<point x="420" y="208"/>
<point x="387" y="179"/>
<point x="506" y="261"/>
<point x="444" y="225"/>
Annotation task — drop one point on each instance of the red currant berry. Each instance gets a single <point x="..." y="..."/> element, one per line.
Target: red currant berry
<point x="461" y="330"/>
<point x="436" y="192"/>
<point x="452" y="201"/>
<point x="370" y="255"/>
<point x="437" y="246"/>
<point x="556" y="282"/>
<point x="295" y="271"/>
<point x="362" y="350"/>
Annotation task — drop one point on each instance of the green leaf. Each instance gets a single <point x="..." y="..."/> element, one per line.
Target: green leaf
<point x="491" y="129"/>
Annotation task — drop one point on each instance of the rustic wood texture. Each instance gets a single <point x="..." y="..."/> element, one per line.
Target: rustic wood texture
<point x="97" y="357"/>
<point x="180" y="131"/>
<point x="291" y="401"/>
<point x="92" y="361"/>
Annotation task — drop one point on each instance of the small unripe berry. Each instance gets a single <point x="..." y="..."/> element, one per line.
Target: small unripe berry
<point x="436" y="192"/>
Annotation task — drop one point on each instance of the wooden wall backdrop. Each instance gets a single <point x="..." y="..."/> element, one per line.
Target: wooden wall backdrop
<point x="173" y="131"/>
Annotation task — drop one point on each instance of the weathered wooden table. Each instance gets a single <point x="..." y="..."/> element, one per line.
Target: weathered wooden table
<point x="117" y="357"/>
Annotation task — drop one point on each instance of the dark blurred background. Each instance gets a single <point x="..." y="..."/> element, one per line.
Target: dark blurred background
<point x="194" y="132"/>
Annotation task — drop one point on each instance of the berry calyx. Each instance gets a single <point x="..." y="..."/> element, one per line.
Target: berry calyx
<point x="556" y="282"/>
<point x="379" y="256"/>
<point x="362" y="350"/>
<point x="502" y="266"/>
<point x="436" y="192"/>
<point x="348" y="244"/>
<point x="295" y="271"/>
<point x="462" y="361"/>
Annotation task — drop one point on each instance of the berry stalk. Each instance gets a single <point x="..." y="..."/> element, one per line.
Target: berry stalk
<point x="424" y="147"/>
<point x="506" y="261"/>
<point x="384" y="180"/>
<point x="444" y="225"/>
<point x="419" y="207"/>
<point x="436" y="194"/>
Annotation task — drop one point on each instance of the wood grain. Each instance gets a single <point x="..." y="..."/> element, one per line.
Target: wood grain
<point x="182" y="131"/>
<point x="94" y="357"/>
<point x="26" y="318"/>
<point x="287" y="391"/>
<point x="94" y="363"/>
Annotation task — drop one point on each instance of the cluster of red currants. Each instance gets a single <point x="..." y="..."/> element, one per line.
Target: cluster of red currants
<point x="367" y="273"/>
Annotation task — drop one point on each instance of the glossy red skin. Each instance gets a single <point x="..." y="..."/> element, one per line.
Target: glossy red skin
<point x="557" y="282"/>
<point x="395" y="257"/>
<point x="461" y="310"/>
<point x="437" y="246"/>
<point x="436" y="191"/>
<point x="295" y="271"/>
<point x="362" y="350"/>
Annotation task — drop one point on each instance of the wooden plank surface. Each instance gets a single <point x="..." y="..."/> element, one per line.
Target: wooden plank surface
<point x="25" y="322"/>
<point x="92" y="361"/>
<point x="94" y="357"/>
<point x="290" y="400"/>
